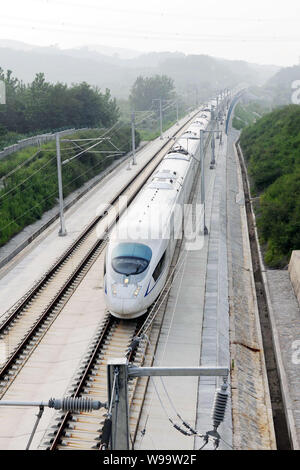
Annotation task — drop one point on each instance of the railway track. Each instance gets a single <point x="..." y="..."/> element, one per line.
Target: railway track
<point x="83" y="431"/>
<point x="31" y="317"/>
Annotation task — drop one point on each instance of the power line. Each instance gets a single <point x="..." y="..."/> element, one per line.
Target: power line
<point x="26" y="179"/>
<point x="52" y="194"/>
<point x="25" y="162"/>
<point x="148" y="113"/>
<point x="169" y="13"/>
<point x="161" y="35"/>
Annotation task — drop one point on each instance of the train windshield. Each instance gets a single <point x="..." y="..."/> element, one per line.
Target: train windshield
<point x="131" y="258"/>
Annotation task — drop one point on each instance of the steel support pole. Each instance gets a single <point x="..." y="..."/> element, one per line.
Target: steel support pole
<point x="201" y="371"/>
<point x="133" y="138"/>
<point x="117" y="370"/>
<point x="213" y="160"/>
<point x="38" y="418"/>
<point x="218" y="127"/>
<point x="160" y="117"/>
<point x="202" y="193"/>
<point x="62" y="231"/>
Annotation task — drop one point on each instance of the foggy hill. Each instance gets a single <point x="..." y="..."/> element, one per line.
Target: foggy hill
<point x="279" y="87"/>
<point x="193" y="74"/>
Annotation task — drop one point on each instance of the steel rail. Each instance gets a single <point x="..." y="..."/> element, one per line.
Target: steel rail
<point x="140" y="350"/>
<point x="15" y="310"/>
<point x="4" y="371"/>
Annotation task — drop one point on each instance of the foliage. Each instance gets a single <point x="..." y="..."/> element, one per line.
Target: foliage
<point x="279" y="219"/>
<point x="148" y="124"/>
<point x="145" y="90"/>
<point x="32" y="189"/>
<point x="246" y="114"/>
<point x="279" y="88"/>
<point x="42" y="106"/>
<point x="271" y="147"/>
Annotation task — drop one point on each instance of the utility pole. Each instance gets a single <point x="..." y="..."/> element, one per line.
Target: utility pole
<point x="213" y="160"/>
<point x="202" y="168"/>
<point x="133" y="138"/>
<point x="177" y="113"/>
<point x="202" y="194"/>
<point x="118" y="373"/>
<point x="160" y="115"/>
<point x="62" y="231"/>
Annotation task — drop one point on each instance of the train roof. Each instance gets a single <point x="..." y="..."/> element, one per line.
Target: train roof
<point x="150" y="212"/>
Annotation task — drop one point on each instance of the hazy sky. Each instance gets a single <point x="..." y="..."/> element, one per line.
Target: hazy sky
<point x="261" y="31"/>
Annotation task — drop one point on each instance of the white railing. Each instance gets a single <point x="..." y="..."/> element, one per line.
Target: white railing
<point x="35" y="140"/>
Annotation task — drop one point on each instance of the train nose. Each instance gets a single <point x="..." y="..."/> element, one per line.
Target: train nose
<point x="125" y="304"/>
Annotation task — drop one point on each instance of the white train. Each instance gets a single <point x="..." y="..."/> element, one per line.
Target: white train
<point x="142" y="244"/>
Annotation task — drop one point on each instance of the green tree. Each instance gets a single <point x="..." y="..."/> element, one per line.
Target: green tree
<point x="145" y="90"/>
<point x="43" y="106"/>
<point x="272" y="150"/>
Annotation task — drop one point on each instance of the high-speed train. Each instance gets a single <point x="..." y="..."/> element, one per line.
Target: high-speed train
<point x="142" y="244"/>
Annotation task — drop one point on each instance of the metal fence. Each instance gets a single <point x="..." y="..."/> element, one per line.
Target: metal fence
<point x="35" y="140"/>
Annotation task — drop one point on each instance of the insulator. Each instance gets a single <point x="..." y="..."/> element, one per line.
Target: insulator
<point x="75" y="404"/>
<point x="134" y="343"/>
<point x="219" y="408"/>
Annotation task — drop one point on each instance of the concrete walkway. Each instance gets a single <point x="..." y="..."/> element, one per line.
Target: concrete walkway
<point x="252" y="413"/>
<point x="195" y="330"/>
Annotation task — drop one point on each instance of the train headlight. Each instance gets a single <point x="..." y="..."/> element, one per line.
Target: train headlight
<point x="126" y="281"/>
<point x="137" y="290"/>
<point x="114" y="289"/>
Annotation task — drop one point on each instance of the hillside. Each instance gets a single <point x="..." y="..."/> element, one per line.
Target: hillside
<point x="278" y="88"/>
<point x="28" y="178"/>
<point x="196" y="76"/>
<point x="271" y="147"/>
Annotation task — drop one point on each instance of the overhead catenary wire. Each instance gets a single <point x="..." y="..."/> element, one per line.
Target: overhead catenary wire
<point x="68" y="184"/>
<point x="39" y="169"/>
<point x="148" y="113"/>
<point x="26" y="179"/>
<point x="160" y="35"/>
<point x="100" y="138"/>
<point x="52" y="194"/>
<point x="21" y="165"/>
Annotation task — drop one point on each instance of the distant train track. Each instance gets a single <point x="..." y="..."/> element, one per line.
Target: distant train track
<point x="31" y="317"/>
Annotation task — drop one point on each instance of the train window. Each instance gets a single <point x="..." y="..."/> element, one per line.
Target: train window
<point x="131" y="258"/>
<point x="158" y="270"/>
